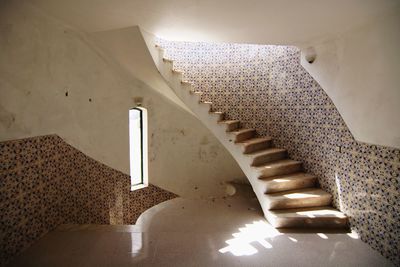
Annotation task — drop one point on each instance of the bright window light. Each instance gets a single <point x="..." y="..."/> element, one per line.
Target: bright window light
<point x="138" y="147"/>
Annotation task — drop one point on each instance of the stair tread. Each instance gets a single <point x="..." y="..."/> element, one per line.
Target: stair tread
<point x="255" y="140"/>
<point x="299" y="194"/>
<point x="288" y="177"/>
<point x="178" y="70"/>
<point x="266" y="151"/>
<point x="229" y="121"/>
<point x="313" y="212"/>
<point x="217" y="112"/>
<point x="242" y="130"/>
<point x="278" y="163"/>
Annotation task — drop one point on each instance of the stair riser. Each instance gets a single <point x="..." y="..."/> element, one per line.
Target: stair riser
<point x="257" y="161"/>
<point x="256" y="147"/>
<point x="206" y="106"/>
<point x="219" y="117"/>
<point x="274" y="187"/>
<point x="282" y="170"/>
<point x="244" y="136"/>
<point x="288" y="203"/>
<point x="232" y="126"/>
<point x="330" y="223"/>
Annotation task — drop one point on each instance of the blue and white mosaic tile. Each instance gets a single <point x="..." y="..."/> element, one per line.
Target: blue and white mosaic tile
<point x="45" y="182"/>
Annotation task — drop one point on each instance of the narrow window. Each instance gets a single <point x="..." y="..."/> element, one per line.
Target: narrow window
<point x="138" y="147"/>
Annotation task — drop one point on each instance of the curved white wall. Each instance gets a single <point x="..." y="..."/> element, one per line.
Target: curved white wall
<point x="357" y="68"/>
<point x="360" y="71"/>
<point x="42" y="59"/>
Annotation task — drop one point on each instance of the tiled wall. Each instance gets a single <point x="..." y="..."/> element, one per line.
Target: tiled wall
<point x="45" y="182"/>
<point x="267" y="89"/>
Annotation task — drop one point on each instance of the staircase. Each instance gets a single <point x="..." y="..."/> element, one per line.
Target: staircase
<point x="287" y="194"/>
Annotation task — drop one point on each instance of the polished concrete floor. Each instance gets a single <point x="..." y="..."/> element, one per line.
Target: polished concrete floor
<point x="182" y="232"/>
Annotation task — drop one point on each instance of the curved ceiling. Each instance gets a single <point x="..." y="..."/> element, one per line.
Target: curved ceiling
<point x="240" y="21"/>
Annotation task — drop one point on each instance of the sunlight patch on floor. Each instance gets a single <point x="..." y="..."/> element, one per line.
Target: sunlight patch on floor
<point x="258" y="231"/>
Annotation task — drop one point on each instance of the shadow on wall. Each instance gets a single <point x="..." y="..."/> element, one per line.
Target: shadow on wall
<point x="45" y="182"/>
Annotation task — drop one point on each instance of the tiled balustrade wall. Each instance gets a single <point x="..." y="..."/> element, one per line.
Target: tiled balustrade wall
<point x="45" y="182"/>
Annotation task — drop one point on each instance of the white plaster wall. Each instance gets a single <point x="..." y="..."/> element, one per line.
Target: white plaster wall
<point x="360" y="71"/>
<point x="127" y="47"/>
<point x="41" y="59"/>
<point x="360" y="62"/>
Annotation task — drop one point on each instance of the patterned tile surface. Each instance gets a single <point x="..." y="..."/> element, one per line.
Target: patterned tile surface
<point x="45" y="182"/>
<point x="267" y="89"/>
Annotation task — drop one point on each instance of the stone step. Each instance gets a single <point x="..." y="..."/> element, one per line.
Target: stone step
<point x="243" y="134"/>
<point x="207" y="103"/>
<point x="168" y="60"/>
<point x="183" y="82"/>
<point x="287" y="182"/>
<point x="218" y="114"/>
<point x="317" y="217"/>
<point x="267" y="155"/>
<point x="198" y="93"/>
<point x="301" y="198"/>
<point x="255" y="144"/>
<point x="177" y="71"/>
<point x="230" y="125"/>
<point x="279" y="167"/>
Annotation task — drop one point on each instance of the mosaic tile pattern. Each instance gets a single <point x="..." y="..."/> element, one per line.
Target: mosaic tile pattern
<point x="45" y="182"/>
<point x="267" y="89"/>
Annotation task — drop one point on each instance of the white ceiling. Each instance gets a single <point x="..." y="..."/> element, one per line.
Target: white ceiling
<point x="240" y="21"/>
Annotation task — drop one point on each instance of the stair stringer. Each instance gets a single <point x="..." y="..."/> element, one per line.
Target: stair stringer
<point x="184" y="91"/>
<point x="279" y="209"/>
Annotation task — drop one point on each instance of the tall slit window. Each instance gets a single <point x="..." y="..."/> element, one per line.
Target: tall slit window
<point x="138" y="147"/>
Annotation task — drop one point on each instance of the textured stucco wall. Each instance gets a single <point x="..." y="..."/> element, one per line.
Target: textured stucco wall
<point x="43" y="59"/>
<point x="267" y="89"/>
<point x="45" y="182"/>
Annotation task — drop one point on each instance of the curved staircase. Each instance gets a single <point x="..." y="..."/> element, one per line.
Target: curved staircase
<point x="287" y="194"/>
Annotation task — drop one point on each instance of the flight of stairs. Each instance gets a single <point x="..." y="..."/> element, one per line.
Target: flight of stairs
<point x="287" y="194"/>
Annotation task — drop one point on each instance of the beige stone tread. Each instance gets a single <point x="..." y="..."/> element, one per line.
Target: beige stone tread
<point x="196" y="92"/>
<point x="267" y="155"/>
<point x="255" y="144"/>
<point x="315" y="217"/>
<point x="287" y="182"/>
<point x="279" y="167"/>
<point x="243" y="134"/>
<point x="177" y="71"/>
<point x="230" y="124"/>
<point x="229" y="121"/>
<point x="186" y="82"/>
<point x="217" y="112"/>
<point x="242" y="130"/>
<point x="205" y="102"/>
<point x="300" y="198"/>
